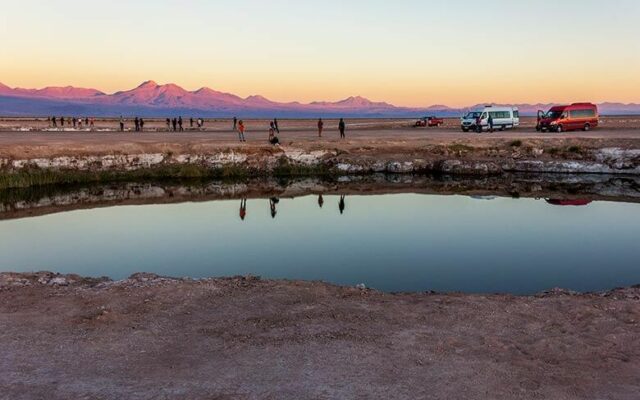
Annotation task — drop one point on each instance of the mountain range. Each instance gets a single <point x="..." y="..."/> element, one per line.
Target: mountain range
<point x="153" y="100"/>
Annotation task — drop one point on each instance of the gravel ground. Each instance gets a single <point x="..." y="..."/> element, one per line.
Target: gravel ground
<point x="66" y="337"/>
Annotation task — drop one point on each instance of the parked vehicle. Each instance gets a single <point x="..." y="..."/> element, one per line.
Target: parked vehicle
<point x="503" y="118"/>
<point x="428" y="122"/>
<point x="568" y="118"/>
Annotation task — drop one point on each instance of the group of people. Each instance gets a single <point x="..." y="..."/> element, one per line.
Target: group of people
<point x="177" y="125"/>
<point x="274" y="201"/>
<point x="76" y="123"/>
<point x="274" y="130"/>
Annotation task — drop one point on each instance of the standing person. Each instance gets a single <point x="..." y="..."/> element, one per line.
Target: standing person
<point x="241" y="131"/>
<point x="320" y="200"/>
<point x="168" y="124"/>
<point x="479" y="124"/>
<point x="62" y="122"/>
<point x="180" y="123"/>
<point x="191" y="122"/>
<point x="235" y="122"/>
<point x="243" y="209"/>
<point x="92" y="122"/>
<point x="341" y="127"/>
<point x="74" y="122"/>
<point x="202" y="122"/>
<point x="275" y="125"/>
<point x="79" y="123"/>
<point x="86" y="121"/>
<point x="490" y="121"/>
<point x="141" y="124"/>
<point x="174" y="122"/>
<point x="320" y="127"/>
<point x="121" y="124"/>
<point x="341" y="204"/>
<point x="136" y="124"/>
<point x="55" y="123"/>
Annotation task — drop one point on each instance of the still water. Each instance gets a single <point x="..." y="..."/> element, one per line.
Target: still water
<point x="398" y="242"/>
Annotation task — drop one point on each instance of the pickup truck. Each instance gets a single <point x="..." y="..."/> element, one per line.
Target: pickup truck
<point x="428" y="122"/>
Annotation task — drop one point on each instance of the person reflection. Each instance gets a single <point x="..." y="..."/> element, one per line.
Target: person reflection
<point x="243" y="209"/>
<point x="320" y="200"/>
<point x="341" y="204"/>
<point x="272" y="205"/>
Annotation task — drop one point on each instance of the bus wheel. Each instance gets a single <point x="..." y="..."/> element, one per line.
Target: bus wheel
<point x="559" y="129"/>
<point x="587" y="127"/>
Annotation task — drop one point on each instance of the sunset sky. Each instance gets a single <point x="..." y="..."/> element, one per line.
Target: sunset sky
<point x="406" y="52"/>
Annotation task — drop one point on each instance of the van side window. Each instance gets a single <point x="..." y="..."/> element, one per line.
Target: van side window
<point x="516" y="114"/>
<point x="586" y="113"/>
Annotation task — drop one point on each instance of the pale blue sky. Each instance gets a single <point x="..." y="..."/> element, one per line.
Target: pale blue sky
<point x="408" y="52"/>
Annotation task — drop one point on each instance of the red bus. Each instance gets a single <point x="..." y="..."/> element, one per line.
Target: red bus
<point x="568" y="118"/>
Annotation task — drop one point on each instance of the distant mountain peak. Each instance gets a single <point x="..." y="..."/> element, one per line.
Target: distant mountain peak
<point x="147" y="85"/>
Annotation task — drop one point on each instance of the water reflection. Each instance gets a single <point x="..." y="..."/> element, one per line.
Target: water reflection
<point x="392" y="242"/>
<point x="243" y="208"/>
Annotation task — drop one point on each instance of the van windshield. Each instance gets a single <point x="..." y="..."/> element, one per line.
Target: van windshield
<point x="473" y="115"/>
<point x="553" y="114"/>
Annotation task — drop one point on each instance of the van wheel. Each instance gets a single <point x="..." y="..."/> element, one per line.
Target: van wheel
<point x="465" y="130"/>
<point x="502" y="128"/>
<point x="559" y="129"/>
<point x="478" y="129"/>
<point x="587" y="127"/>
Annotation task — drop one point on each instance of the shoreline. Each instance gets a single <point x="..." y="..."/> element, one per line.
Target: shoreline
<point x="95" y="159"/>
<point x="160" y="337"/>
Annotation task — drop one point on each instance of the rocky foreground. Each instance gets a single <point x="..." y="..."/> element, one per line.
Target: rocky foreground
<point x="148" y="337"/>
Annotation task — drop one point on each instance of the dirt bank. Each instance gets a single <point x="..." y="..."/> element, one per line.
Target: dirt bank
<point x="147" y="337"/>
<point x="32" y="159"/>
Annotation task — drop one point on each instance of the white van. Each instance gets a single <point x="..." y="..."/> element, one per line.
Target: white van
<point x="503" y="118"/>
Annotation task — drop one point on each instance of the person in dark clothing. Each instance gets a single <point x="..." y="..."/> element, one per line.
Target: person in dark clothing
<point x="275" y="125"/>
<point x="74" y="122"/>
<point x="191" y="122"/>
<point x="86" y="121"/>
<point x="273" y="139"/>
<point x="320" y="127"/>
<point x="341" y="127"/>
<point x="136" y="124"/>
<point x="55" y="123"/>
<point x="141" y="124"/>
<point x="121" y="124"/>
<point x="490" y="121"/>
<point x="243" y="209"/>
<point x="174" y="122"/>
<point x="341" y="204"/>
<point x="320" y="200"/>
<point x="235" y="123"/>
<point x="180" y="124"/>
<point x="62" y="122"/>
<point x="168" y="124"/>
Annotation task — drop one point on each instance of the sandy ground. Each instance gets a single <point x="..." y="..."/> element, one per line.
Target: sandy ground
<point x="372" y="136"/>
<point x="288" y="125"/>
<point x="244" y="338"/>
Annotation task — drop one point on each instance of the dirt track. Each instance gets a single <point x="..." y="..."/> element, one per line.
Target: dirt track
<point x="149" y="338"/>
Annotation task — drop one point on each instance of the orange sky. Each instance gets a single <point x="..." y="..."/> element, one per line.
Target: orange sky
<point x="410" y="53"/>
